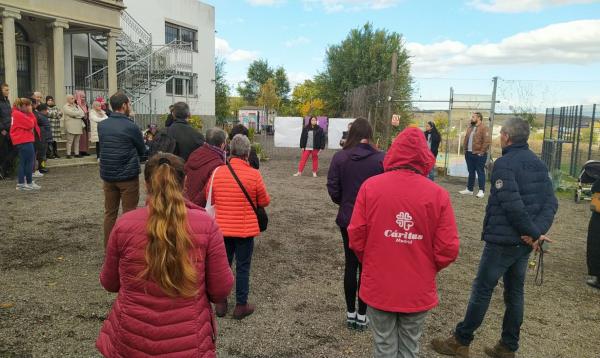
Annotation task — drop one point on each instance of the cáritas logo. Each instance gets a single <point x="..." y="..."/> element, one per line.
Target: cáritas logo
<point x="405" y="221"/>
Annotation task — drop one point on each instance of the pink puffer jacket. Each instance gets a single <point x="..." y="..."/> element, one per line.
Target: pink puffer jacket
<point x="144" y="321"/>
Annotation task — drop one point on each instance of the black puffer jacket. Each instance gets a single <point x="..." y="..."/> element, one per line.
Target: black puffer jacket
<point x="5" y="114"/>
<point x="522" y="200"/>
<point x="318" y="137"/>
<point x="122" y="145"/>
<point x="188" y="139"/>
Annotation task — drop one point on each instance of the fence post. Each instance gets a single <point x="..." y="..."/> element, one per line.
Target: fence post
<point x="451" y="99"/>
<point x="577" y="139"/>
<point x="591" y="133"/>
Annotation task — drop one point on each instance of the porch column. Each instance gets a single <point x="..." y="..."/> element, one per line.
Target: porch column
<point x="58" y="55"/>
<point x="112" y="61"/>
<point x="9" y="15"/>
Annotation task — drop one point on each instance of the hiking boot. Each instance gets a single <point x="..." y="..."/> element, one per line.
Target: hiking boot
<point x="450" y="347"/>
<point x="221" y="308"/>
<point x="243" y="311"/>
<point x="500" y="350"/>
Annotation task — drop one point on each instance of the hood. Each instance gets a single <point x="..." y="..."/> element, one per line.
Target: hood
<point x="204" y="155"/>
<point x="409" y="149"/>
<point x="362" y="151"/>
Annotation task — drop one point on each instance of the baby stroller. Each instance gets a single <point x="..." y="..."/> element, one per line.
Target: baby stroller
<point x="589" y="174"/>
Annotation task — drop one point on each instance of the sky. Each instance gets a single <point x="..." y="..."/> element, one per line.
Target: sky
<point x="545" y="52"/>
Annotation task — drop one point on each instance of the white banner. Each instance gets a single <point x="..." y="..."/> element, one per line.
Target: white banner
<point x="288" y="131"/>
<point x="457" y="167"/>
<point x="337" y="126"/>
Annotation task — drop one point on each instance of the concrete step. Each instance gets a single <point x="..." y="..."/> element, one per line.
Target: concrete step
<point x="73" y="162"/>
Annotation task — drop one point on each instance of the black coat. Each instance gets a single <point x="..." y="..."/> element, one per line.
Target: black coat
<point x="522" y="200"/>
<point x="5" y="114"/>
<point x="593" y="239"/>
<point x="318" y="138"/>
<point x="45" y="127"/>
<point x="435" y="141"/>
<point x="122" y="146"/>
<point x="188" y="139"/>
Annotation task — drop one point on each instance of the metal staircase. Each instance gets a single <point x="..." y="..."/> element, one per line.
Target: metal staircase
<point x="141" y="66"/>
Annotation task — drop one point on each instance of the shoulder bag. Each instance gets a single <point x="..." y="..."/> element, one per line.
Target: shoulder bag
<point x="210" y="209"/>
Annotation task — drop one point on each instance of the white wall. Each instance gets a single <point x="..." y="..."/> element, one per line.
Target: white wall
<point x="152" y="15"/>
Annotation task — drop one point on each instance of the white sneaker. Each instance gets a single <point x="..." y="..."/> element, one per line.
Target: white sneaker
<point x="480" y="194"/>
<point x="297" y="174"/>
<point x="37" y="174"/>
<point x="34" y="186"/>
<point x="314" y="175"/>
<point x="466" y="192"/>
<point x="23" y="187"/>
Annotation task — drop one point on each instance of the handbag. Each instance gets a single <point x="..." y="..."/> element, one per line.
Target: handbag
<point x="210" y="209"/>
<point x="261" y="213"/>
<point x="595" y="204"/>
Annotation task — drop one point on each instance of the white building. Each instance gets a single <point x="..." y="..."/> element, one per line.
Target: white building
<point x="157" y="51"/>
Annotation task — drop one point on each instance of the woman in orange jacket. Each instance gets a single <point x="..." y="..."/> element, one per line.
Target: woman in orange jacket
<point x="237" y="218"/>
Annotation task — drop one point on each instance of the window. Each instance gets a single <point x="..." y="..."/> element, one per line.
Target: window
<point x="191" y="85"/>
<point x="179" y="87"/>
<point x="179" y="33"/>
<point x="170" y="86"/>
<point x="99" y="80"/>
<point x="80" y="71"/>
<point x="182" y="86"/>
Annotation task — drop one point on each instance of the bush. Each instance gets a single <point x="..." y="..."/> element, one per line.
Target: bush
<point x="196" y="122"/>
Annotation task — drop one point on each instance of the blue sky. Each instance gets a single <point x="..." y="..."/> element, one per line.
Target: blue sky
<point x="552" y="44"/>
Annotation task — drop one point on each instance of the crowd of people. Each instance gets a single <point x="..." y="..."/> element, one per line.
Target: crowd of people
<point x="170" y="261"/>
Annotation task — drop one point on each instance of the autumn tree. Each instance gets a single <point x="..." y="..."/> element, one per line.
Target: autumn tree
<point x="306" y="99"/>
<point x="268" y="96"/>
<point x="259" y="72"/>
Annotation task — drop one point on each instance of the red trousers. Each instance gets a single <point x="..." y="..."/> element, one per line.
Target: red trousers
<point x="304" y="159"/>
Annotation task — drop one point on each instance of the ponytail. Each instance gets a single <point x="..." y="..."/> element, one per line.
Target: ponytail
<point x="168" y="252"/>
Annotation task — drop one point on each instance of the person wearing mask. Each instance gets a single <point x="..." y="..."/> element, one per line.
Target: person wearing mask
<point x="519" y="213"/>
<point x="433" y="138"/>
<point x="202" y="162"/>
<point x="23" y="130"/>
<point x="7" y="150"/>
<point x="73" y="126"/>
<point x="122" y="147"/>
<point x="236" y="218"/>
<point x="163" y="306"/>
<point x="96" y="115"/>
<point x="312" y="141"/>
<point x="55" y="116"/>
<point x="45" y="137"/>
<point x="348" y="170"/>
<point x="476" y="145"/>
<point x="593" y="239"/>
<point x="84" y="139"/>
<point x="241" y="129"/>
<point x="187" y="138"/>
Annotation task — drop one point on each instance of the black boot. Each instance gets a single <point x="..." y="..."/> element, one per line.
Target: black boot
<point x="55" y="150"/>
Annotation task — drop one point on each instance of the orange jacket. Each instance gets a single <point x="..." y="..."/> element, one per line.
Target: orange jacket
<point x="232" y="211"/>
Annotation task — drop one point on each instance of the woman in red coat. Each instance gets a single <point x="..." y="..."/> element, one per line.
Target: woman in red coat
<point x="167" y="262"/>
<point x="22" y="136"/>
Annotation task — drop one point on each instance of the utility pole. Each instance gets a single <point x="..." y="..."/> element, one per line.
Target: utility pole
<point x="493" y="107"/>
<point x="392" y="83"/>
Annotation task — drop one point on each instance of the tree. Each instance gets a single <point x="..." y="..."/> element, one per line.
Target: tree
<point x="364" y="58"/>
<point x="306" y="99"/>
<point x="221" y="92"/>
<point x="258" y="74"/>
<point x="235" y="103"/>
<point x="282" y="84"/>
<point x="268" y="96"/>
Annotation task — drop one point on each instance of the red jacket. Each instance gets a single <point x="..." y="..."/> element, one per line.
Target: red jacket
<point x="198" y="170"/>
<point x="146" y="322"/>
<point x="403" y="230"/>
<point x="233" y="212"/>
<point x="22" y="127"/>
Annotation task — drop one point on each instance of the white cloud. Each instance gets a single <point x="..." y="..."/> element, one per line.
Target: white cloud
<point x="515" y="6"/>
<point x="264" y="2"/>
<point x="296" y="78"/>
<point x="349" y="5"/>
<point x="573" y="42"/>
<point x="223" y="49"/>
<point x="299" y="41"/>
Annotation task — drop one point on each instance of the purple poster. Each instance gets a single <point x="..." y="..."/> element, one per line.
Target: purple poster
<point x="322" y="121"/>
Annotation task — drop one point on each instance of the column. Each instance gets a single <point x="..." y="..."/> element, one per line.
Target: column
<point x="112" y="61"/>
<point x="9" y="15"/>
<point x="58" y="56"/>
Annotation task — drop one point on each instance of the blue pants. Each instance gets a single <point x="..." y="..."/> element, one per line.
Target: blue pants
<point x="476" y="164"/>
<point x="26" y="162"/>
<point x="431" y="174"/>
<point x="509" y="262"/>
<point x="242" y="249"/>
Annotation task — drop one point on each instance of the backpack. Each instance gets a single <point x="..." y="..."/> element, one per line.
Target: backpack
<point x="163" y="142"/>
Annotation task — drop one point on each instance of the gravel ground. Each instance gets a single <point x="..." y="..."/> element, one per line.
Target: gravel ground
<point x="52" y="305"/>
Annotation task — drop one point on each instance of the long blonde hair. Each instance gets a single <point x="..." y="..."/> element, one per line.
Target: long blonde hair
<point x="169" y="260"/>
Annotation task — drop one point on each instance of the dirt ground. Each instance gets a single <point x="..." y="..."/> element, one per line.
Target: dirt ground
<point x="53" y="304"/>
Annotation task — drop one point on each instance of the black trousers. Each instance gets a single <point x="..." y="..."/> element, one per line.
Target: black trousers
<point x="352" y="272"/>
<point x="8" y="154"/>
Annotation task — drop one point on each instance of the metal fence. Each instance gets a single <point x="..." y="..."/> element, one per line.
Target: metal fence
<point x="571" y="138"/>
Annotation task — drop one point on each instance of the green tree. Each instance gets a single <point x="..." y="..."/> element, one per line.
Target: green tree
<point x="235" y="103"/>
<point x="306" y="99"/>
<point x="364" y="58"/>
<point x="282" y="84"/>
<point x="258" y="74"/>
<point x="221" y="92"/>
<point x="268" y="96"/>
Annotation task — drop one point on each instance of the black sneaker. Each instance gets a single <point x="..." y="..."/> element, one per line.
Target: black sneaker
<point x="351" y="320"/>
<point x="593" y="282"/>
<point x="362" y="323"/>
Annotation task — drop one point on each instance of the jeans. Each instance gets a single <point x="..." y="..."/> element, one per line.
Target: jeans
<point x="26" y="162"/>
<point x="242" y="249"/>
<point x="509" y="262"/>
<point x="126" y="193"/>
<point x="315" y="160"/>
<point x="396" y="334"/>
<point x="352" y="271"/>
<point x="476" y="164"/>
